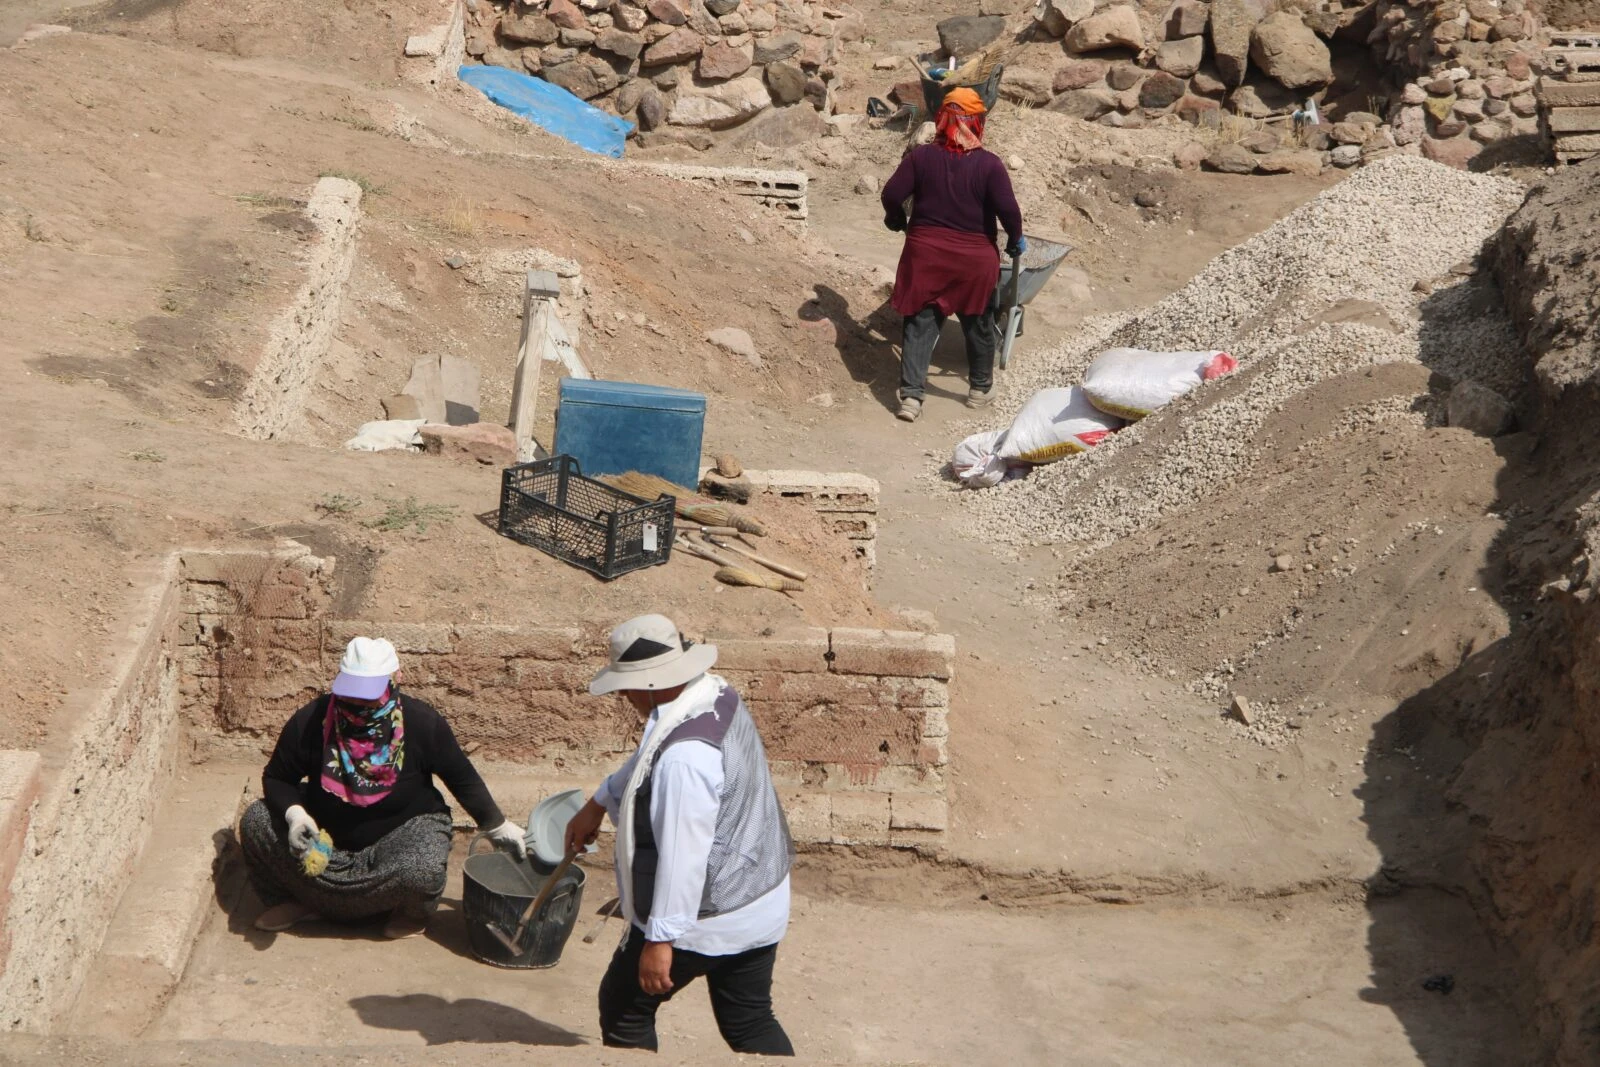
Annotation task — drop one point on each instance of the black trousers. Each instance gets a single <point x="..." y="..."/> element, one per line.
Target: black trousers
<point x="921" y="334"/>
<point x="741" y="998"/>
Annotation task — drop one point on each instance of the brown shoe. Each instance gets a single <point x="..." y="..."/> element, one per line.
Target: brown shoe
<point x="282" y="916"/>
<point x="910" y="409"/>
<point x="980" y="398"/>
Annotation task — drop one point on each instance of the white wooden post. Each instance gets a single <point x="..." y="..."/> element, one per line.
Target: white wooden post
<point x="540" y="291"/>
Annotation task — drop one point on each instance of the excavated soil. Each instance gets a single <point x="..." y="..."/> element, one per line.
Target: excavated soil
<point x="1133" y="876"/>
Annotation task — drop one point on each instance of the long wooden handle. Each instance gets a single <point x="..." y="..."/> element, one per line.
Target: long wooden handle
<point x="772" y="565"/>
<point x="544" y="894"/>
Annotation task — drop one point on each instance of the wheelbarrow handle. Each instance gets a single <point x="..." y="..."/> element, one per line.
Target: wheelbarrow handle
<point x="1016" y="280"/>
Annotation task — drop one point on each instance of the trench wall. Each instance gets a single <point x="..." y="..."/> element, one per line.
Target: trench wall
<point x="89" y="825"/>
<point x="855" y="721"/>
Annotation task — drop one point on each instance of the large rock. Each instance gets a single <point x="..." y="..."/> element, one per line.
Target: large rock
<point x="722" y="61"/>
<point x="628" y="97"/>
<point x="1199" y="110"/>
<point x="722" y="7"/>
<point x="1055" y="17"/>
<point x="1456" y="152"/>
<point x="1291" y="161"/>
<point x="1086" y="104"/>
<point x="778" y="47"/>
<point x="1232" y="23"/>
<point x="619" y="43"/>
<point x="787" y="83"/>
<point x="1231" y="159"/>
<point x="530" y="29"/>
<point x="480" y="442"/>
<point x="1477" y="408"/>
<point x="566" y="15"/>
<point x="576" y="77"/>
<point x="1030" y="87"/>
<point x="967" y="35"/>
<point x="1078" y="74"/>
<point x="1290" y="52"/>
<point x="1186" y="18"/>
<point x="668" y="11"/>
<point x="679" y="46"/>
<point x="1124" y="76"/>
<point x="629" y="18"/>
<point x="782" y="127"/>
<point x="1115" y="27"/>
<point x="652" y="109"/>
<point x="1181" y="57"/>
<point x="721" y="106"/>
<point x="1160" y="90"/>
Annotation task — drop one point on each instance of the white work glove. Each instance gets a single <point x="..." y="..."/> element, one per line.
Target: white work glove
<point x="508" y="835"/>
<point x="303" y="830"/>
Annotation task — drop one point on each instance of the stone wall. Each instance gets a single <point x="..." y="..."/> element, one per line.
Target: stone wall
<point x="1468" y="64"/>
<point x="846" y="502"/>
<point x="680" y="64"/>
<point x="855" y="721"/>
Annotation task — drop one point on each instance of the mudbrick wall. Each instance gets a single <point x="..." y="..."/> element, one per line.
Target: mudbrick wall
<point x="89" y="824"/>
<point x="855" y="721"/>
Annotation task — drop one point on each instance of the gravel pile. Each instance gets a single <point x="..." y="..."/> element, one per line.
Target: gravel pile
<point x="1326" y="290"/>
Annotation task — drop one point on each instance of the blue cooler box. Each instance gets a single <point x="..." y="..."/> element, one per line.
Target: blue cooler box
<point x="613" y="427"/>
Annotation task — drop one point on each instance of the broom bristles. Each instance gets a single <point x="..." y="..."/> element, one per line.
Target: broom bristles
<point x="742" y="576"/>
<point x="649" y="486"/>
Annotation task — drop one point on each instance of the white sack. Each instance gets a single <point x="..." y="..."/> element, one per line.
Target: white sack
<point x="1056" y="423"/>
<point x="385" y="434"/>
<point x="1131" y="383"/>
<point x="977" y="462"/>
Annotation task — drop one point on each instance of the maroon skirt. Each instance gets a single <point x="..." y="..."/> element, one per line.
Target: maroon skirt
<point x="952" y="270"/>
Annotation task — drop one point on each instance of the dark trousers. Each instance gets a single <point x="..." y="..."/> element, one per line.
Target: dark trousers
<point x="404" y="870"/>
<point x="741" y="998"/>
<point x="921" y="334"/>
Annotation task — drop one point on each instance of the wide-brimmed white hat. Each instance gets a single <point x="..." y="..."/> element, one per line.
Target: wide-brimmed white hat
<point x="650" y="653"/>
<point x="364" y="673"/>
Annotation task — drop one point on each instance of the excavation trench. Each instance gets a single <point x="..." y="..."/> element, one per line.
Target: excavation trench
<point x="163" y="949"/>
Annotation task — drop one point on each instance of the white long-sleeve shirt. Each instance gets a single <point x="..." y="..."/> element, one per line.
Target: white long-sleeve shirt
<point x="685" y="792"/>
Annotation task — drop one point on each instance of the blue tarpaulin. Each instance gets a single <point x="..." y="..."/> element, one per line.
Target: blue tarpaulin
<point x="551" y="108"/>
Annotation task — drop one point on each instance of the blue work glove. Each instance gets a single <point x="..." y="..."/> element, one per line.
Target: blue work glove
<point x="1017" y="247"/>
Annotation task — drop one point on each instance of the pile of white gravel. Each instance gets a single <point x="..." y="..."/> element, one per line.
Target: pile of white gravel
<point x="1370" y="239"/>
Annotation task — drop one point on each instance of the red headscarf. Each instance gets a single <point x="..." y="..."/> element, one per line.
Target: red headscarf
<point x="959" y="124"/>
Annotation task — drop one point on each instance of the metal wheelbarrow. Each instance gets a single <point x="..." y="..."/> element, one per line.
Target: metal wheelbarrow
<point x="1020" y="281"/>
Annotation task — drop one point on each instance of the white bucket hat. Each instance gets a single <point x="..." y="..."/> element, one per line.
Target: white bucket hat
<point x="649" y="652"/>
<point x="364" y="673"/>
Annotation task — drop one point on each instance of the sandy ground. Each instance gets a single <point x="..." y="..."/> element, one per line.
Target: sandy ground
<point x="1281" y="982"/>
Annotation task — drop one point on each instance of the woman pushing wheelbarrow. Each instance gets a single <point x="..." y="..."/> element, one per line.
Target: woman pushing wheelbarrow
<point x="950" y="263"/>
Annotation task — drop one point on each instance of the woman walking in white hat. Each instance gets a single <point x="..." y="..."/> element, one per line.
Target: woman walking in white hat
<point x="359" y="763"/>
<point x="702" y="852"/>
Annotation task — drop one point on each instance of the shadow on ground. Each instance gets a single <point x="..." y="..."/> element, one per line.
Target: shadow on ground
<point x="869" y="348"/>
<point x="441" y="1021"/>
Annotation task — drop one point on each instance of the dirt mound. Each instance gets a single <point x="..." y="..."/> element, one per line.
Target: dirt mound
<point x="1328" y="290"/>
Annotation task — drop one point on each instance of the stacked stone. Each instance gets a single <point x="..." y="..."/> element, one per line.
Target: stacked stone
<point x="706" y="64"/>
<point x="1470" y="58"/>
<point x="1453" y="114"/>
<point x="1128" y="69"/>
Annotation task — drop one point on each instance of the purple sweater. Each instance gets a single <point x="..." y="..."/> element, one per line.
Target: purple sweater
<point x="958" y="192"/>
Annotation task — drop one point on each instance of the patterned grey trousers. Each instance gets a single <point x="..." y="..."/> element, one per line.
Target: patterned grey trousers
<point x="404" y="870"/>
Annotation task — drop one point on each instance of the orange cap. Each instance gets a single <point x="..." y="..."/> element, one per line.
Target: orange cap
<point x="964" y="101"/>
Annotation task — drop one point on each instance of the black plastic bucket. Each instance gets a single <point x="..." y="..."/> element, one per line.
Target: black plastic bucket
<point x="496" y="889"/>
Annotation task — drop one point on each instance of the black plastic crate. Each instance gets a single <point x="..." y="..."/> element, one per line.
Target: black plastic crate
<point x="550" y="505"/>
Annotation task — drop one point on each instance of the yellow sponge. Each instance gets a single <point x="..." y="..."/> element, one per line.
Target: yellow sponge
<point x="315" y="861"/>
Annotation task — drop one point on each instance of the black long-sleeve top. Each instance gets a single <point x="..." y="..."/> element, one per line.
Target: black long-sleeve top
<point x="294" y="776"/>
